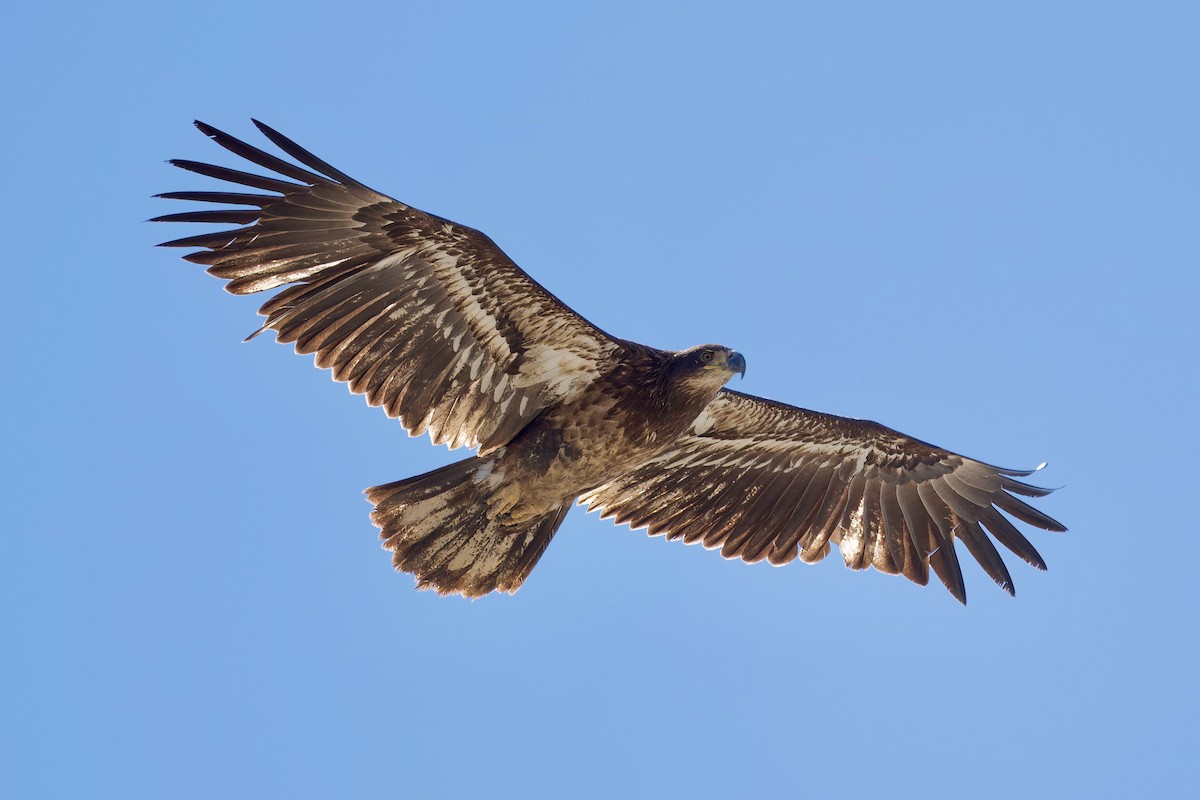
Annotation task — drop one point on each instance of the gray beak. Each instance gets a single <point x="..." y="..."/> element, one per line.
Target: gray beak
<point x="737" y="363"/>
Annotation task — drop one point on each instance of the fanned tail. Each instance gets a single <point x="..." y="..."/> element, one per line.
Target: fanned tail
<point x="437" y="527"/>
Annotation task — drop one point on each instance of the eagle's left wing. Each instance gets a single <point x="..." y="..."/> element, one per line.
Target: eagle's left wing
<point x="761" y="479"/>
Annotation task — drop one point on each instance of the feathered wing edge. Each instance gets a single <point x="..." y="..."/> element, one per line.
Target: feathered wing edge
<point x="427" y="318"/>
<point x="763" y="480"/>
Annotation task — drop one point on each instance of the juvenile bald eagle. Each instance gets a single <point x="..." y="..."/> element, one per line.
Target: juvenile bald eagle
<point x="431" y="321"/>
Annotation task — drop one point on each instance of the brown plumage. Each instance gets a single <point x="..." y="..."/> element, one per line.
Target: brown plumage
<point x="434" y="323"/>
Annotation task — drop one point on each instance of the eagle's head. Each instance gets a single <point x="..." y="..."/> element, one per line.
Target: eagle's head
<point x="708" y="366"/>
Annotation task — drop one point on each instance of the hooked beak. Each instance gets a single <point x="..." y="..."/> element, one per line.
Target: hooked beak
<point x="737" y="363"/>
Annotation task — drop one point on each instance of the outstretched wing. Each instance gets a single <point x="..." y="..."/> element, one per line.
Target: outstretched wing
<point x="761" y="479"/>
<point x="429" y="319"/>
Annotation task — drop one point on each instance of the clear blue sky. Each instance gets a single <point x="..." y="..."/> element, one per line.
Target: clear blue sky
<point x="976" y="223"/>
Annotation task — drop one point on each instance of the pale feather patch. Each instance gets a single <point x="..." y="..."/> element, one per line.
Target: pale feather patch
<point x="853" y="536"/>
<point x="489" y="476"/>
<point x="501" y="385"/>
<point x="703" y="423"/>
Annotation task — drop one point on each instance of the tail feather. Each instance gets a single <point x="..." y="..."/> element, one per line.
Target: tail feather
<point x="437" y="527"/>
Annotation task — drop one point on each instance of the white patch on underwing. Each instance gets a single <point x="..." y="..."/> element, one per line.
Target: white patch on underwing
<point x="703" y="423"/>
<point x="501" y="385"/>
<point x="853" y="536"/>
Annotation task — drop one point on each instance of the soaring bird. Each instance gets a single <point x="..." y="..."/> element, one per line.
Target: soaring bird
<point x="431" y="321"/>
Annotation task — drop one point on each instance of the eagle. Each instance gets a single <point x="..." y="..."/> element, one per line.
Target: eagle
<point x="432" y="322"/>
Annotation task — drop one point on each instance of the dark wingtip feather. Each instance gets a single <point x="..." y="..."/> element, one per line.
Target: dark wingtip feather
<point x="1016" y="473"/>
<point x="958" y="592"/>
<point x="235" y="176"/>
<point x="1007" y="534"/>
<point x="228" y="198"/>
<point x="257" y="156"/>
<point x="206" y="129"/>
<point x="1020" y="487"/>
<point x="303" y="156"/>
<point x="1028" y="514"/>
<point x="981" y="547"/>
<point x="240" y="217"/>
<point x="945" y="565"/>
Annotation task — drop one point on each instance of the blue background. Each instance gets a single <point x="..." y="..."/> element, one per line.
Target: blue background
<point x="976" y="223"/>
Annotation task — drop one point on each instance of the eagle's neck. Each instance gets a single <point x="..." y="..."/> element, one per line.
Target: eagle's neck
<point x="677" y="397"/>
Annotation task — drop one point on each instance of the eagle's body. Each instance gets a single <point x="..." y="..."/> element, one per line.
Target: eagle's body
<point x="433" y="322"/>
<point x="502" y="508"/>
<point x="626" y="416"/>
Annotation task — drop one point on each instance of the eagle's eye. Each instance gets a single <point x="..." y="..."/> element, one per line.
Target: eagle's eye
<point x="706" y="356"/>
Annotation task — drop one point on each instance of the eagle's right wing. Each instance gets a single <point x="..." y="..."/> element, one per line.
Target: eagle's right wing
<point x="426" y="317"/>
<point x="764" y="480"/>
